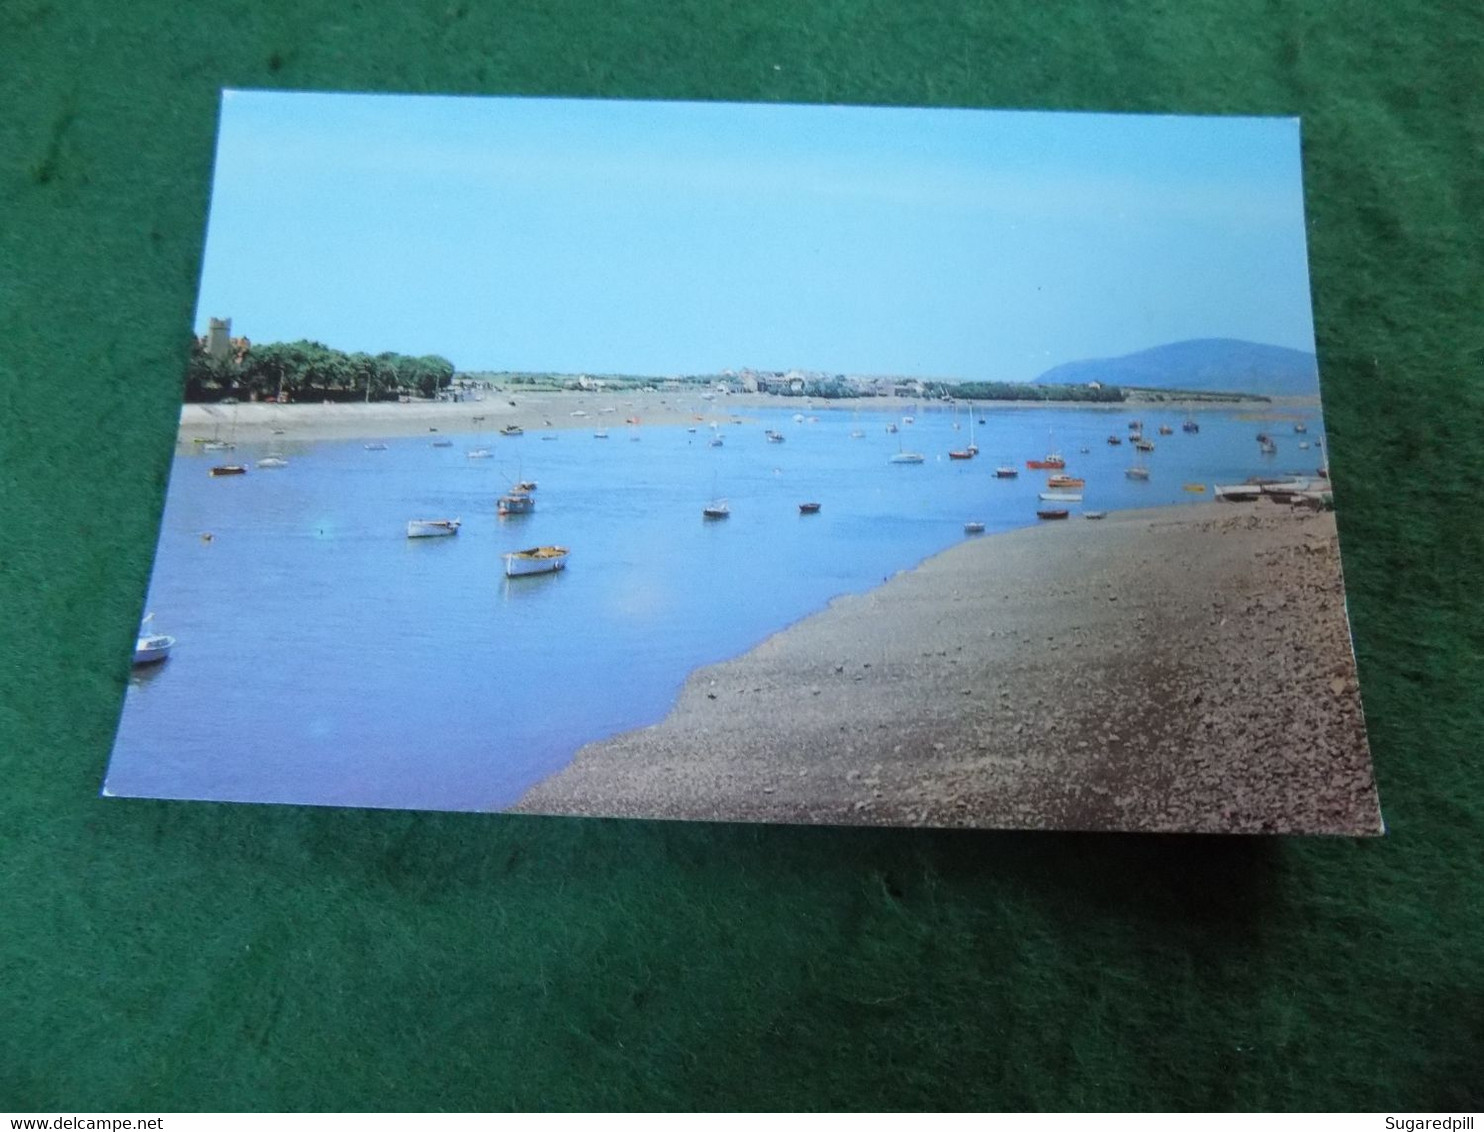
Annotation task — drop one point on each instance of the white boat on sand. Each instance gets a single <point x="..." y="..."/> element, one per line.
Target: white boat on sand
<point x="536" y="560"/>
<point x="432" y="528"/>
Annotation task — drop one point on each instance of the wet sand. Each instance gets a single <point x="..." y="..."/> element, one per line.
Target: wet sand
<point x="1177" y="669"/>
<point x="551" y="410"/>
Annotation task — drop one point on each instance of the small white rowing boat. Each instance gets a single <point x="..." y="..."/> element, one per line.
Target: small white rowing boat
<point x="536" y="560"/>
<point x="432" y="528"/>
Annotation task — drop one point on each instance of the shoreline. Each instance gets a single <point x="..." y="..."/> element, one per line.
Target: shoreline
<point x="1171" y="670"/>
<point x="258" y="421"/>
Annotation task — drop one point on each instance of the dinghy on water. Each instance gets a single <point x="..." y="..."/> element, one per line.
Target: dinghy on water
<point x="432" y="528"/>
<point x="536" y="560"/>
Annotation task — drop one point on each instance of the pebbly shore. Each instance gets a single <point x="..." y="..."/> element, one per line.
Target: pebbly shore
<point x="1181" y="669"/>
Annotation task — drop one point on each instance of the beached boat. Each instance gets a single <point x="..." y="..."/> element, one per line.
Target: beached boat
<point x="1237" y="493"/>
<point x="515" y="503"/>
<point x="1193" y="488"/>
<point x="1052" y="513"/>
<point x="273" y="462"/>
<point x="151" y="648"/>
<point x="1094" y="514"/>
<point x="1006" y="472"/>
<point x="432" y="528"/>
<point x="808" y="508"/>
<point x="1051" y="460"/>
<point x="216" y="443"/>
<point x="229" y="470"/>
<point x="535" y="560"/>
<point x="1065" y="481"/>
<point x="973" y="528"/>
<point x="512" y="430"/>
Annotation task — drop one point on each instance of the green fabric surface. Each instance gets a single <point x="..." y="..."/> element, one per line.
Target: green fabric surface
<point x="168" y="956"/>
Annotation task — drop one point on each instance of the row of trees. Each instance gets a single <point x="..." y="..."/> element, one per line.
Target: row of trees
<point x="311" y="371"/>
<point x="1017" y="391"/>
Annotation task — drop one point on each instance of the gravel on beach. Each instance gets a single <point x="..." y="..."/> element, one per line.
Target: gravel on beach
<point x="1181" y="669"/>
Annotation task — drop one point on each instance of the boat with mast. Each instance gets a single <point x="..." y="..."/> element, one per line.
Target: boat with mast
<point x="969" y="452"/>
<point x="151" y="648"/>
<point x="1138" y="471"/>
<point x="905" y="457"/>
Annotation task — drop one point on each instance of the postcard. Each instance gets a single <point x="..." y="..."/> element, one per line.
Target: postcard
<point x="816" y="464"/>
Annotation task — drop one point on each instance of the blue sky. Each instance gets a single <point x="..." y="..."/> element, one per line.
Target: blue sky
<point x="668" y="238"/>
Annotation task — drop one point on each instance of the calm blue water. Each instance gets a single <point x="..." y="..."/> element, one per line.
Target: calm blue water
<point x="325" y="658"/>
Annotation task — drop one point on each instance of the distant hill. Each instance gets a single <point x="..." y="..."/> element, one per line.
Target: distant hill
<point x="1227" y="365"/>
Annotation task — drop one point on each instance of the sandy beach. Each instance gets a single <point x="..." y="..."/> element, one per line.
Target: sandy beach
<point x="549" y="411"/>
<point x="1183" y="669"/>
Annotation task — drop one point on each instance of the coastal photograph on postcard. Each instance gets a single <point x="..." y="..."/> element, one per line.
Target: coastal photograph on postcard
<point x="807" y="464"/>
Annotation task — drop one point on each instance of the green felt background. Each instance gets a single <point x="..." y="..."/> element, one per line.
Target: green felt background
<point x="182" y="956"/>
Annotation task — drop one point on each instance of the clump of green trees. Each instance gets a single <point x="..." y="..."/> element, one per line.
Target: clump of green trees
<point x="1023" y="391"/>
<point x="311" y="371"/>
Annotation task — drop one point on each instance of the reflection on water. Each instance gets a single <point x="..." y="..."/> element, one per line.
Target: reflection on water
<point x="324" y="657"/>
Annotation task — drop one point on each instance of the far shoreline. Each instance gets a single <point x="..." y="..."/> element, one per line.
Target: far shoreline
<point x="557" y="410"/>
